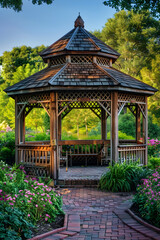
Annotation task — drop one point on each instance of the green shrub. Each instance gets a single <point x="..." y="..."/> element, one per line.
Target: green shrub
<point x="123" y="177"/>
<point x="154" y="163"/>
<point x="148" y="199"/>
<point x="13" y="224"/>
<point x="6" y="155"/>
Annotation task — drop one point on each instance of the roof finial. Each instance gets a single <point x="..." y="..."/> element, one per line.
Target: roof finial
<point x="79" y="22"/>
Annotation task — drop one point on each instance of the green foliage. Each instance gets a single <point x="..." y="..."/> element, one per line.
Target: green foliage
<point x="17" y="64"/>
<point x="153" y="128"/>
<point x="136" y="5"/>
<point x="126" y="124"/>
<point x="7" y="147"/>
<point x="16" y="5"/>
<point x="154" y="163"/>
<point x="34" y="198"/>
<point x="136" y="37"/>
<point x="123" y="177"/>
<point x="148" y="199"/>
<point x="13" y="224"/>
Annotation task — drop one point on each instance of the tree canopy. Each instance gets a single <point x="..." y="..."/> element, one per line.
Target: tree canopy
<point x="17" y="64"/>
<point x="16" y="5"/>
<point x="136" y="37"/>
<point x="136" y="5"/>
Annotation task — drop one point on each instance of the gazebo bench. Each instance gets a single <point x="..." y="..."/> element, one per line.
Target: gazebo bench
<point x="85" y="155"/>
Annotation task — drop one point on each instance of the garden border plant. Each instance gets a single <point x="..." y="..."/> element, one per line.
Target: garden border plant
<point x="35" y="200"/>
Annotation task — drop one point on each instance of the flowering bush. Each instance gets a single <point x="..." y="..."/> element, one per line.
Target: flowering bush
<point x="34" y="198"/>
<point x="148" y="199"/>
<point x="154" y="147"/>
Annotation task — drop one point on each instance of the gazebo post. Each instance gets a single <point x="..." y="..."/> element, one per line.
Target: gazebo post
<point x="53" y="139"/>
<point x="138" y="124"/>
<point x="16" y="132"/>
<point x="146" y="131"/>
<point x="103" y="124"/>
<point x="114" y="127"/>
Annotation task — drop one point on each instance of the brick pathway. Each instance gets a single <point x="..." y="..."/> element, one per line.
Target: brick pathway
<point x="96" y="214"/>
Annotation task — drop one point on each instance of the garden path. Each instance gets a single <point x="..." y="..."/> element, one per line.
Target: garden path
<point x="97" y="218"/>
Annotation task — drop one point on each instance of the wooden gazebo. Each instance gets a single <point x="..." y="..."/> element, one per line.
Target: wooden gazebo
<point x="79" y="75"/>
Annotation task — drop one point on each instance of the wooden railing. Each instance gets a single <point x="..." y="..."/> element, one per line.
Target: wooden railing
<point x="132" y="153"/>
<point x="36" y="157"/>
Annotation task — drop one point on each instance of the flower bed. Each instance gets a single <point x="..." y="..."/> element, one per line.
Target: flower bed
<point x="31" y="199"/>
<point x="147" y="199"/>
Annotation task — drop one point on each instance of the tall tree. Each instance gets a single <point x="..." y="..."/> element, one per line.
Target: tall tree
<point x="136" y="37"/>
<point x="17" y="64"/>
<point x="136" y="5"/>
<point x="16" y="5"/>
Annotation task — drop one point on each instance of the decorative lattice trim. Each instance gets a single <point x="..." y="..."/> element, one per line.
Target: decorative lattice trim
<point x="84" y="96"/>
<point x="81" y="59"/>
<point x="58" y="61"/>
<point x="127" y="97"/>
<point x="102" y="61"/>
<point x="37" y="97"/>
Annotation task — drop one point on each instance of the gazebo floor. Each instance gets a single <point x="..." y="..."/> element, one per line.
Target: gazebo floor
<point x="82" y="176"/>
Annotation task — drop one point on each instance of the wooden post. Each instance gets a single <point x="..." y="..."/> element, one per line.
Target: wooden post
<point x="16" y="132"/>
<point x="138" y="124"/>
<point x="103" y="124"/>
<point x="53" y="139"/>
<point x="146" y="132"/>
<point x="59" y="127"/>
<point x="114" y="127"/>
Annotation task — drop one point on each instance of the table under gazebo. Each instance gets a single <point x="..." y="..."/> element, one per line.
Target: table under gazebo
<point x="80" y="76"/>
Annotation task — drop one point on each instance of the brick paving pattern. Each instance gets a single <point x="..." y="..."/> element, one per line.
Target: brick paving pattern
<point x="97" y="219"/>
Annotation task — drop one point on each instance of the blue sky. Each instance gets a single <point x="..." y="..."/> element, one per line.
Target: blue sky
<point x="36" y="25"/>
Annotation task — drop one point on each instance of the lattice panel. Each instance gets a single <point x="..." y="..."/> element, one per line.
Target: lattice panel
<point x="29" y="107"/>
<point x="107" y="105"/>
<point x="81" y="59"/>
<point x="67" y="107"/>
<point x="84" y="96"/>
<point x="120" y="106"/>
<point x="130" y="97"/>
<point x="37" y="97"/>
<point x="58" y="61"/>
<point x="143" y="110"/>
<point x="102" y="61"/>
<point x="132" y="108"/>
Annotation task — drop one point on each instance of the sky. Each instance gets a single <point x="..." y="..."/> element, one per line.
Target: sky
<point x="36" y="25"/>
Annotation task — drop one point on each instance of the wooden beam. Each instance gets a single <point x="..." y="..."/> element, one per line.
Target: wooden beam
<point x="59" y="127"/>
<point x="146" y="132"/>
<point x="16" y="131"/>
<point x="103" y="124"/>
<point x="53" y="165"/>
<point x="45" y="108"/>
<point x="82" y="142"/>
<point x="138" y="123"/>
<point x="114" y="127"/>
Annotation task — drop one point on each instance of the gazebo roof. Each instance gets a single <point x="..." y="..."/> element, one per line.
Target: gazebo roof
<point x="79" y="59"/>
<point x="79" y="75"/>
<point x="79" y="40"/>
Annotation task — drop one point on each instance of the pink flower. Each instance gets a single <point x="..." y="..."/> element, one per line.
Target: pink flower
<point x="11" y="203"/>
<point x="28" y="215"/>
<point x="31" y="198"/>
<point x="36" y="205"/>
<point x="26" y="181"/>
<point x="46" y="219"/>
<point x="0" y="190"/>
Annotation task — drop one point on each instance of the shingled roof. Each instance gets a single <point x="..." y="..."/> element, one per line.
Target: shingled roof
<point x="81" y="66"/>
<point x="78" y="39"/>
<point x="78" y="75"/>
